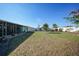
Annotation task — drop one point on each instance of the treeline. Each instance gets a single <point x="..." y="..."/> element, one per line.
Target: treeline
<point x="45" y="27"/>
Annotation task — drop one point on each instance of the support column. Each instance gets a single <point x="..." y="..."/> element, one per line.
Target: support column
<point x="2" y="29"/>
<point x="6" y="28"/>
<point x="13" y="28"/>
<point x="16" y="29"/>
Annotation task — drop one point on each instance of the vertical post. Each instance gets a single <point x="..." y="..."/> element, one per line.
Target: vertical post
<point x="27" y="29"/>
<point x="13" y="28"/>
<point x="2" y="29"/>
<point x="16" y="29"/>
<point x="6" y="28"/>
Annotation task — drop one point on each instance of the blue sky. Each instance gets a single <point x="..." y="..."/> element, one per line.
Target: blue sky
<point x="34" y="14"/>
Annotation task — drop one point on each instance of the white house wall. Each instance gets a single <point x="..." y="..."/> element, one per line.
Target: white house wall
<point x="71" y="29"/>
<point x="30" y="29"/>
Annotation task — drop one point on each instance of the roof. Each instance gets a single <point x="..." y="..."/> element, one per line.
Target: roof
<point x="14" y="23"/>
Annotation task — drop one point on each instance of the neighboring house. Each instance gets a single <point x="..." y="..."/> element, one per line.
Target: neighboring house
<point x="55" y="29"/>
<point x="70" y="29"/>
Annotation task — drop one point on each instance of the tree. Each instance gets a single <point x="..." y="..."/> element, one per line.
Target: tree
<point x="55" y="26"/>
<point x="45" y="26"/>
<point x="73" y="17"/>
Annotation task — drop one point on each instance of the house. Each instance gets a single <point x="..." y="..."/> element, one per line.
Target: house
<point x="56" y="29"/>
<point x="70" y="29"/>
<point x="12" y="29"/>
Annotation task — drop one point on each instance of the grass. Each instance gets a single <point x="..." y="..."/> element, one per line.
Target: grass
<point x="48" y="44"/>
<point x="66" y="35"/>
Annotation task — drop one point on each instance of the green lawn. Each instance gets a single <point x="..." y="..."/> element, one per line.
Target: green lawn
<point x="48" y="43"/>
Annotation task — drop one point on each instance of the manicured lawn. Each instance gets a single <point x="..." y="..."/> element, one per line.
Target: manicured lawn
<point x="48" y="43"/>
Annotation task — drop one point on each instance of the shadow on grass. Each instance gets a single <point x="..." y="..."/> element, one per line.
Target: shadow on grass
<point x="15" y="42"/>
<point x="54" y="33"/>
